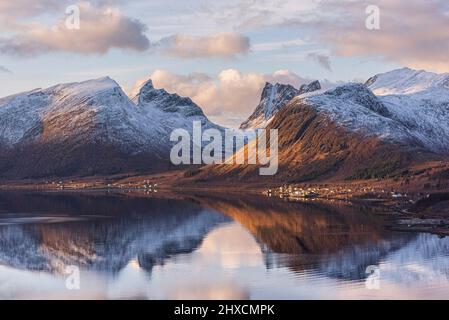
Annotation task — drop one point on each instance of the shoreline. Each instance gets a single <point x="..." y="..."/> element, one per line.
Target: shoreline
<point x="399" y="213"/>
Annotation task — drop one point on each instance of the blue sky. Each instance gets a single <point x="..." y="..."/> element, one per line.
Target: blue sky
<point x="209" y="49"/>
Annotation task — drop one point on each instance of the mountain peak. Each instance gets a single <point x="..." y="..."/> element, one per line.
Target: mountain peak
<point x="148" y="84"/>
<point x="149" y="96"/>
<point x="276" y="87"/>
<point x="407" y="81"/>
<point x="93" y="126"/>
<point x="102" y="81"/>
<point x="147" y="92"/>
<point x="359" y="94"/>
<point x="87" y="88"/>
<point x="312" y="86"/>
<point x="273" y="97"/>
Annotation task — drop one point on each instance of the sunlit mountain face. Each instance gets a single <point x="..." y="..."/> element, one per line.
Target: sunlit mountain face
<point x="129" y="245"/>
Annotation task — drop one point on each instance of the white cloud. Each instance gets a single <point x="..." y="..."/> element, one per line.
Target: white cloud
<point x="101" y="29"/>
<point x="225" y="45"/>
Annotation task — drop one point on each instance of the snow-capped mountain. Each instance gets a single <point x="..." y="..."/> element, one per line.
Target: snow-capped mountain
<point x="358" y="130"/>
<point x="169" y="111"/>
<point x="309" y="87"/>
<point x="417" y="101"/>
<point x="354" y="107"/>
<point x="90" y="127"/>
<point x="275" y="97"/>
<point x="409" y="81"/>
<point x="404" y="106"/>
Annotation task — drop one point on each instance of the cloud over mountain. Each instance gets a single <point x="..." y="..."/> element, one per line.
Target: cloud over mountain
<point x="226" y="97"/>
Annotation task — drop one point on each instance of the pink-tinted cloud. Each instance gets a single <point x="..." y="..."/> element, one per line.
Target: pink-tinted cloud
<point x="224" y="45"/>
<point x="101" y="29"/>
<point x="414" y="33"/>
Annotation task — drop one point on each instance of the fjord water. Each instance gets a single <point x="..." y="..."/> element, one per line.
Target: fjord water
<point x="131" y="246"/>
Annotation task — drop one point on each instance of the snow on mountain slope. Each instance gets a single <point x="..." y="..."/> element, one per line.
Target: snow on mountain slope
<point x="97" y="109"/>
<point x="410" y="119"/>
<point x="404" y="105"/>
<point x="19" y="114"/>
<point x="273" y="98"/>
<point x="407" y="81"/>
<point x="169" y="111"/>
<point x="348" y="132"/>
<point x="93" y="126"/>
<point x="416" y="114"/>
<point x="418" y="100"/>
<point x="358" y="109"/>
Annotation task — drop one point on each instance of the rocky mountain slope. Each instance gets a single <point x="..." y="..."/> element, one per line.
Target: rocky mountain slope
<point x="274" y="97"/>
<point x="90" y="128"/>
<point x="349" y="132"/>
<point x="418" y="101"/>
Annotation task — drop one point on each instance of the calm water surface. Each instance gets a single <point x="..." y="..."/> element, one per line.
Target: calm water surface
<point x="209" y="248"/>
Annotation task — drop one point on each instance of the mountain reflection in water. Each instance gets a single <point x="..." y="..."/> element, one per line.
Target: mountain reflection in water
<point x="130" y="246"/>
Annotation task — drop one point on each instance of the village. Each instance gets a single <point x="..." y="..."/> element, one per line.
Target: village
<point x="144" y="185"/>
<point x="340" y="192"/>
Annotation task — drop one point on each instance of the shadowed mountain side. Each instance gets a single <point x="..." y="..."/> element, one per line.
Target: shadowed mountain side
<point x="91" y="128"/>
<point x="88" y="159"/>
<point x="313" y="147"/>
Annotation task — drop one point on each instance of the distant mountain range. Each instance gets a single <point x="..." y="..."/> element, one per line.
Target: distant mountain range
<point x="352" y="130"/>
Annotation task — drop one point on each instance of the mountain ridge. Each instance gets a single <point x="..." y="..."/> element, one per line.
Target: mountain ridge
<point x="90" y="127"/>
<point x="348" y="132"/>
<point x="273" y="98"/>
<point x="94" y="128"/>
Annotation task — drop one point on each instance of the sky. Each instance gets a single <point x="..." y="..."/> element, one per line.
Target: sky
<point x="219" y="53"/>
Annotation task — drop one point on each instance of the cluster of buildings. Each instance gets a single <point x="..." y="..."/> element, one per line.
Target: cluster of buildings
<point x="335" y="191"/>
<point x="292" y="192"/>
<point x="143" y="185"/>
